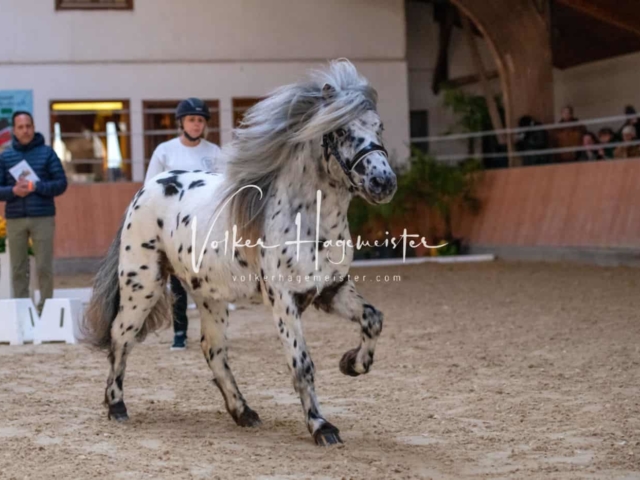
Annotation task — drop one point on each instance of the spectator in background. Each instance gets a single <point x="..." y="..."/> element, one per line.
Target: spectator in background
<point x="632" y="151"/>
<point x="30" y="209"/>
<point x="606" y="136"/>
<point x="566" y="115"/>
<point x="568" y="137"/>
<point x="629" y="110"/>
<point x="532" y="140"/>
<point x="593" y="152"/>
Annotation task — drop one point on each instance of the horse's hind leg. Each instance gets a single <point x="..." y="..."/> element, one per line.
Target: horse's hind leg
<point x="214" y="320"/>
<point x="141" y="286"/>
<point x="343" y="300"/>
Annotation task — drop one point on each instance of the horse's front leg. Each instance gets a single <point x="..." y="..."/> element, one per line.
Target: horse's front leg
<point x="287" y="313"/>
<point x="343" y="300"/>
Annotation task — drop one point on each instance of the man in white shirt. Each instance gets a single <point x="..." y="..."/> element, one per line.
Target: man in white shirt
<point x="189" y="151"/>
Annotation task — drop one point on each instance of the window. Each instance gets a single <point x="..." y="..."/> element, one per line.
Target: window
<point x="94" y="4"/>
<point x="91" y="137"/>
<point x="419" y="125"/>
<point x="160" y="124"/>
<point x="240" y="106"/>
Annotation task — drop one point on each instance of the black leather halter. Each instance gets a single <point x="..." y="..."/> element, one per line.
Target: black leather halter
<point x="330" y="146"/>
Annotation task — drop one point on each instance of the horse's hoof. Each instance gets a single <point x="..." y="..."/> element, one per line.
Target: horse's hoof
<point x="327" y="435"/>
<point x="248" y="418"/>
<point x="348" y="361"/>
<point x="118" y="412"/>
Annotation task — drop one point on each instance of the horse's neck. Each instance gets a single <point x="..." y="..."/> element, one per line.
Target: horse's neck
<point x="300" y="185"/>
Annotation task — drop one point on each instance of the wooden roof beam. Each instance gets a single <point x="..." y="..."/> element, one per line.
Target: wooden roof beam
<point x="625" y="15"/>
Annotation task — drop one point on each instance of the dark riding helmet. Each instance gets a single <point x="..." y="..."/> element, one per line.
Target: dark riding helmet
<point x="192" y="106"/>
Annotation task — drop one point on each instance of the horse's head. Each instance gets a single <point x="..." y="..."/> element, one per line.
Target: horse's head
<point x="355" y="154"/>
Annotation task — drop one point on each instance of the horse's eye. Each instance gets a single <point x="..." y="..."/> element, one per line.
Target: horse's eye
<point x="341" y="132"/>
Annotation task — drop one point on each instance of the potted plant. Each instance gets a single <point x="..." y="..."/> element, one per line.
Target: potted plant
<point x="446" y="189"/>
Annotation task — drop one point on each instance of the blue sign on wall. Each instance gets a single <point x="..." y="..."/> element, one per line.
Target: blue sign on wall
<point x="11" y="101"/>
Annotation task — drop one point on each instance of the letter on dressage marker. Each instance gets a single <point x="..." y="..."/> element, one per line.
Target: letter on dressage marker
<point x="60" y="321"/>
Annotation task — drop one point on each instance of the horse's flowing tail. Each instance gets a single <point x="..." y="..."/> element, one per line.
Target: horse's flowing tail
<point x="105" y="299"/>
<point x="105" y="303"/>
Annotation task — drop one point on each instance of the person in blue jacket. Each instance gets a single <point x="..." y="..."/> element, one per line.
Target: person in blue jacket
<point x="30" y="208"/>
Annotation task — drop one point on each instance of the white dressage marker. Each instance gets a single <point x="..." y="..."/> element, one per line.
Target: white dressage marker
<point x="82" y="294"/>
<point x="19" y="320"/>
<point x="60" y="321"/>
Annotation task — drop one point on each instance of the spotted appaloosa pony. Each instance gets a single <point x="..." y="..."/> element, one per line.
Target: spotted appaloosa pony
<point x="323" y="134"/>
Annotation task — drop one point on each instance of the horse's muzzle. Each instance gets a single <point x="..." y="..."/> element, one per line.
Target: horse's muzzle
<point x="381" y="188"/>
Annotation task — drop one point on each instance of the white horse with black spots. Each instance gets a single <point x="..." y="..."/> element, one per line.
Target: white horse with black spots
<point x="292" y="168"/>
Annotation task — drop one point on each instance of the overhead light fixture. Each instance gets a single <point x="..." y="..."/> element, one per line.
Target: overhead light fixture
<point x="86" y="106"/>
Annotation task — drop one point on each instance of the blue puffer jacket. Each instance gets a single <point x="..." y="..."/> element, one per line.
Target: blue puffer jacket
<point x="53" y="181"/>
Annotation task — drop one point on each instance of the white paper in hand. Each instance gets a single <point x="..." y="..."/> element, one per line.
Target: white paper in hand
<point x="23" y="171"/>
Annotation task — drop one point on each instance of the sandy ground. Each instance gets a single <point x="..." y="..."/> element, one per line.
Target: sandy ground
<point x="500" y="371"/>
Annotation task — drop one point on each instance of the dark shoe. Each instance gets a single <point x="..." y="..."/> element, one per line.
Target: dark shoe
<point x="179" y="341"/>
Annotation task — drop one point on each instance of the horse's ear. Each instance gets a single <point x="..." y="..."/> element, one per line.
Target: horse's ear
<point x="328" y="91"/>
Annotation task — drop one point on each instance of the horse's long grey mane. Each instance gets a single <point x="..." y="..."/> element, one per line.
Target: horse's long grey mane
<point x="273" y="130"/>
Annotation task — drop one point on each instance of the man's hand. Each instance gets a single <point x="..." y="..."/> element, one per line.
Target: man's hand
<point x="21" y="189"/>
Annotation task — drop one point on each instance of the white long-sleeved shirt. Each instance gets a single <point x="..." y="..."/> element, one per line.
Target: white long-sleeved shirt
<point x="173" y="155"/>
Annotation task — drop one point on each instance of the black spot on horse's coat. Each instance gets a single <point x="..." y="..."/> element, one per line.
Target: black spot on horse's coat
<point x="271" y="297"/>
<point x="129" y="226"/>
<point x="196" y="184"/>
<point x="278" y="264"/>
<point x="189" y="250"/>
<point x="186" y="219"/>
<point x="144" y="267"/>
<point x="295" y="344"/>
<point x="177" y="220"/>
<point x="286" y="230"/>
<point x="129" y="282"/>
<point x="177" y="172"/>
<point x="127" y="248"/>
<point x="180" y="249"/>
<point x="171" y="185"/>
<point x="132" y="274"/>
<point x="160" y="223"/>
<point x="284" y="251"/>
<point x="334" y="226"/>
<point x="129" y="328"/>
<point x="321" y="242"/>
<point x="150" y="296"/>
<point x="275" y="215"/>
<point x="131" y="300"/>
<point x="148" y="246"/>
<point x="195" y="283"/>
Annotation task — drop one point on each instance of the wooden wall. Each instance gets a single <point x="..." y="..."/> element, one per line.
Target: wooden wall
<point x="591" y="204"/>
<point x="88" y="217"/>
